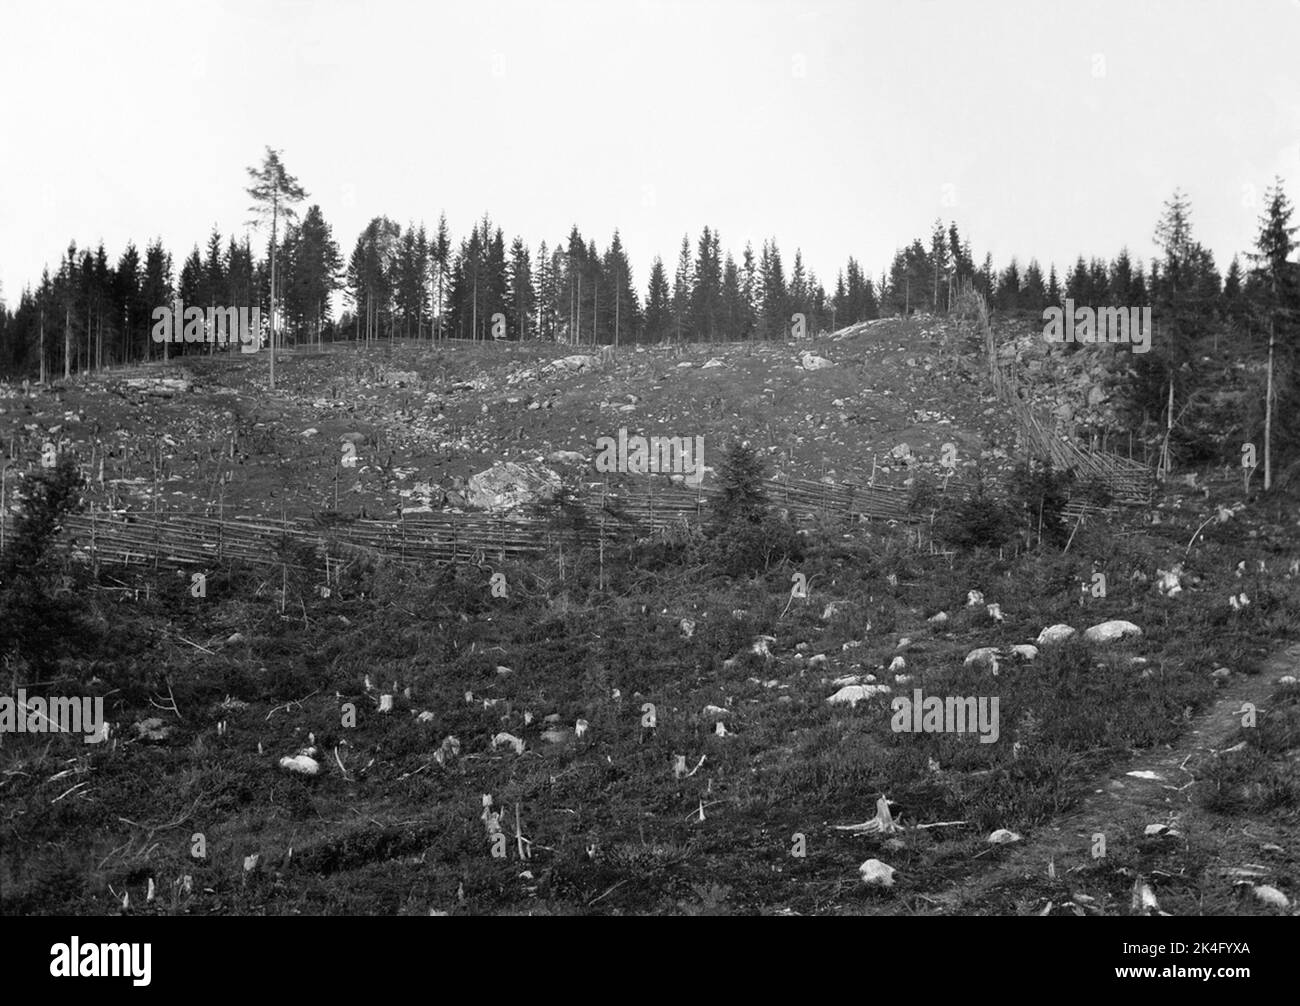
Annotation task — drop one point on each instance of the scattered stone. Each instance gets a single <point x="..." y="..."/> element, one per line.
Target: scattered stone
<point x="874" y="873"/>
<point x="1003" y="837"/>
<point x="1055" y="634"/>
<point x="984" y="656"/>
<point x="853" y="694"/>
<point x="301" y="764"/>
<point x="1271" y="896"/>
<point x="504" y="739"/>
<point x="1111" y="631"/>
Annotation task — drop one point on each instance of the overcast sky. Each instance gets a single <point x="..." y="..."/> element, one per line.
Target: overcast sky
<point x="844" y="128"/>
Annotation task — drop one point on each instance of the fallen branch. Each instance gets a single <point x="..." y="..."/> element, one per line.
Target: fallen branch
<point x="292" y="702"/>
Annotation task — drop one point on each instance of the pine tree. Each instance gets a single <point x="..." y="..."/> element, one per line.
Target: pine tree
<point x="1278" y="300"/>
<point x="312" y="275"/>
<point x="683" y="289"/>
<point x="522" y="307"/>
<point x="749" y="292"/>
<point x="1033" y="294"/>
<point x="1007" y="297"/>
<point x="658" y="304"/>
<point x="274" y="192"/>
<point x="440" y="253"/>
<point x="620" y="311"/>
<point x="1078" y="287"/>
<point x="734" y="312"/>
<point x="940" y="259"/>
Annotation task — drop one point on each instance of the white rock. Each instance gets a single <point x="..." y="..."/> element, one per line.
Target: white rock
<point x="853" y="694"/>
<point x="508" y="485"/>
<point x="1271" y="896"/>
<point x="711" y="710"/>
<point x="995" y="612"/>
<point x="1111" y="631"/>
<point x="984" y="656"/>
<point x="1054" y="634"/>
<point x="974" y="599"/>
<point x="817" y="660"/>
<point x="897" y="665"/>
<point x="874" y="873"/>
<point x="712" y="362"/>
<point x="302" y="764"/>
<point x="1003" y="837"/>
<point x="811" y="361"/>
<point x="1025" y="651"/>
<point x="939" y="618"/>
<point x="573" y="364"/>
<point x="688" y="627"/>
<point x="1168" y="581"/>
<point x="510" y="740"/>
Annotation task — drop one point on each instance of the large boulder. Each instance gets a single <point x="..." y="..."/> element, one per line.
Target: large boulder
<point x="1111" y="632"/>
<point x="1053" y="634"/>
<point x="508" y="485"/>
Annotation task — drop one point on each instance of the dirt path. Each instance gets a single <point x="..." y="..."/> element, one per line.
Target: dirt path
<point x="1124" y="803"/>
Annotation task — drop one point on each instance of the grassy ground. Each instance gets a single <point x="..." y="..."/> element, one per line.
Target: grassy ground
<point x="263" y="666"/>
<point x="388" y="827"/>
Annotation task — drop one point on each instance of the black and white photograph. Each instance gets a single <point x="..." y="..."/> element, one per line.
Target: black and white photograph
<point x="651" y="458"/>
